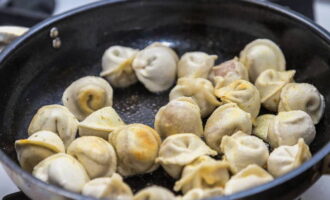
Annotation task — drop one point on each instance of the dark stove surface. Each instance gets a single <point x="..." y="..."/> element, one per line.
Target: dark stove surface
<point x="25" y="12"/>
<point x="16" y="196"/>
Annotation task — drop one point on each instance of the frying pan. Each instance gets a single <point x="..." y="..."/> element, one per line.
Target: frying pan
<point x="36" y="68"/>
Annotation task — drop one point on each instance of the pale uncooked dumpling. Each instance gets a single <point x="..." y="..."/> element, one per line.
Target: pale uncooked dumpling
<point x="262" y="54"/>
<point x="117" y="66"/>
<point x="55" y="118"/>
<point x="302" y="96"/>
<point x="288" y="127"/>
<point x="87" y="95"/>
<point x="203" y="173"/>
<point x="62" y="170"/>
<point x="270" y="83"/>
<point x="156" y="67"/>
<point x="197" y="193"/>
<point x="249" y="177"/>
<point x="241" y="150"/>
<point x="179" y="150"/>
<point x="101" y="123"/>
<point x="181" y="115"/>
<point x="108" y="188"/>
<point x="226" y="120"/>
<point x="243" y="93"/>
<point x="228" y="72"/>
<point x="137" y="147"/>
<point x="284" y="159"/>
<point x="95" y="154"/>
<point x="195" y="64"/>
<point x="154" y="193"/>
<point x="200" y="89"/>
<point x="262" y="124"/>
<point x="37" y="147"/>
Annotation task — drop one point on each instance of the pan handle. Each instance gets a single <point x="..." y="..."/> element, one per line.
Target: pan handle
<point x="10" y="33"/>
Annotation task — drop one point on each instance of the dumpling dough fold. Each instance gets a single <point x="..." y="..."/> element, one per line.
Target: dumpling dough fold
<point x="117" y="66"/>
<point x="87" y="95"/>
<point x="179" y="150"/>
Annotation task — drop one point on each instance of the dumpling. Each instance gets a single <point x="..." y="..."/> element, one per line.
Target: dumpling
<point x="228" y="72"/>
<point x="270" y="83"/>
<point x="195" y="64"/>
<point x="179" y="150"/>
<point x="117" y="66"/>
<point x="262" y="124"/>
<point x="249" y="177"/>
<point x="241" y="150"/>
<point x="262" y="54"/>
<point x="154" y="193"/>
<point x="55" y="118"/>
<point x="200" y="89"/>
<point x="137" y="147"/>
<point x="87" y="95"/>
<point x="197" y="194"/>
<point x="37" y="147"/>
<point x="108" y="188"/>
<point x="182" y="115"/>
<point x="62" y="170"/>
<point x="302" y="96"/>
<point x="100" y="123"/>
<point x="95" y="154"/>
<point x="156" y="67"/>
<point x="286" y="158"/>
<point x="203" y="173"/>
<point x="288" y="127"/>
<point x="226" y="120"/>
<point x="243" y="93"/>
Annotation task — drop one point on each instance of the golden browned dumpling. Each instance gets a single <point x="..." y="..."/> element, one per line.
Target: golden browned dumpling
<point x="262" y="54"/>
<point x="179" y="150"/>
<point x="95" y="154"/>
<point x="302" y="96"/>
<point x="243" y="93"/>
<point x="286" y="158"/>
<point x="249" y="177"/>
<point x="62" y="170"/>
<point x="108" y="188"/>
<point x="37" y="147"/>
<point x="288" y="127"/>
<point x="117" y="66"/>
<point x="87" y="95"/>
<point x="203" y="173"/>
<point x="241" y="150"/>
<point x="195" y="64"/>
<point x="137" y="147"/>
<point x="156" y="67"/>
<point x="55" y="118"/>
<point x="228" y="72"/>
<point x="101" y="123"/>
<point x="154" y="193"/>
<point x="181" y="115"/>
<point x="226" y="120"/>
<point x="270" y="83"/>
<point x="201" y="90"/>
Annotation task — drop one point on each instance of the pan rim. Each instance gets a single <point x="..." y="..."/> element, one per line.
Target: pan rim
<point x="297" y="17"/>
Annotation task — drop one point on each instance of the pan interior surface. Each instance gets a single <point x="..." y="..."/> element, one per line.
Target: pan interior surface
<point x="36" y="74"/>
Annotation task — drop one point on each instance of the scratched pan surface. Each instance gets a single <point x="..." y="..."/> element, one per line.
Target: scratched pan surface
<point x="33" y="73"/>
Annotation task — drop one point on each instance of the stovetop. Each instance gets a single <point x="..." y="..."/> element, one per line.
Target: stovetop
<point x="8" y="191"/>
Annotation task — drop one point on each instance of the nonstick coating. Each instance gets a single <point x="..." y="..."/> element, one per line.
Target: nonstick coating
<point x="33" y="73"/>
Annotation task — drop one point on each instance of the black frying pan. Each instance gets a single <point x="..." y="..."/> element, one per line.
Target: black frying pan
<point x="33" y="72"/>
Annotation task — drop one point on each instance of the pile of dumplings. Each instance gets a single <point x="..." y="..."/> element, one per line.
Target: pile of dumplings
<point x="234" y="150"/>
